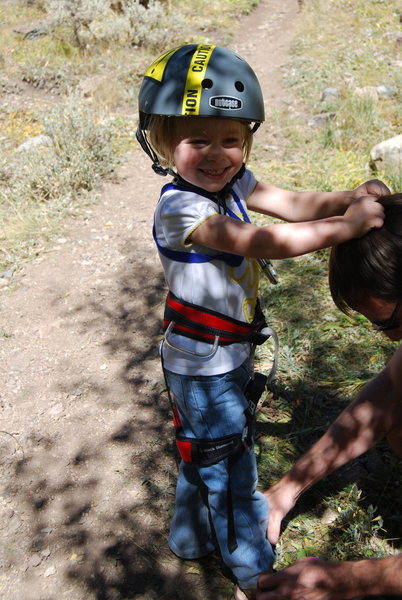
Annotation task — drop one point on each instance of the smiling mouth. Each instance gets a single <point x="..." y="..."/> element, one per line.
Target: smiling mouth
<point x="214" y="172"/>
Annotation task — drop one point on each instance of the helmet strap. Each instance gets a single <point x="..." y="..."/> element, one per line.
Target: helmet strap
<point x="227" y="188"/>
<point x="220" y="197"/>
<point x="145" y="145"/>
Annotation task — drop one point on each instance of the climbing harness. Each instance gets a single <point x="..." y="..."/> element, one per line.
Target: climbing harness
<point x="218" y="329"/>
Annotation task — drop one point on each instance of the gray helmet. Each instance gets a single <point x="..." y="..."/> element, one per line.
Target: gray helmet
<point x="199" y="80"/>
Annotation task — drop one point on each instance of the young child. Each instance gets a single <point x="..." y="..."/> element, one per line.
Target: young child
<point x="199" y="107"/>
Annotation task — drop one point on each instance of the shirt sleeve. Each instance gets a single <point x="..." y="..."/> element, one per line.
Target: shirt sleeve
<point x="180" y="213"/>
<point x="246" y="184"/>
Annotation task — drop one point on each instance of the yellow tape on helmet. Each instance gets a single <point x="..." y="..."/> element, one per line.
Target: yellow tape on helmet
<point x="156" y="70"/>
<point x="195" y="76"/>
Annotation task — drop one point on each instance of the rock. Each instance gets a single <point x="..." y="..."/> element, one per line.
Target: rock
<point x="35" y="560"/>
<point x="387" y="155"/>
<point x="37" y="29"/>
<point x="39" y="140"/>
<point x="330" y="94"/>
<point x="329" y="516"/>
<point x="321" y="119"/>
<point x="386" y="91"/>
<point x="47" y="530"/>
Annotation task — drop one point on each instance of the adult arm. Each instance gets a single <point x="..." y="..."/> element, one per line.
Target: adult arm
<point x="296" y="206"/>
<point x="318" y="580"/>
<point x="374" y="414"/>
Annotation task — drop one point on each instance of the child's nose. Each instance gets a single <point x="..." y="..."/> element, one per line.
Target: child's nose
<point x="215" y="151"/>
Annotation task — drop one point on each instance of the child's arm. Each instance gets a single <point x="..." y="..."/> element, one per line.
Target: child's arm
<point x="308" y="206"/>
<point x="284" y="240"/>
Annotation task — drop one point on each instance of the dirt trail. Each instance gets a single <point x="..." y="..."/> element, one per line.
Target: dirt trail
<point x="87" y="468"/>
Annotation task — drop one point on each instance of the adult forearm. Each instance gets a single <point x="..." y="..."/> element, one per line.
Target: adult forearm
<point x="357" y="429"/>
<point x="321" y="580"/>
<point x="374" y="413"/>
<point x="377" y="576"/>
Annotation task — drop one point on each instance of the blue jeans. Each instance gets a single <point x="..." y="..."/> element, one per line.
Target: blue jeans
<point x="211" y="407"/>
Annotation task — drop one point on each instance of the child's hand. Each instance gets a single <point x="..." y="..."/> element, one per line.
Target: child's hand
<point x="364" y="214"/>
<point x="373" y="187"/>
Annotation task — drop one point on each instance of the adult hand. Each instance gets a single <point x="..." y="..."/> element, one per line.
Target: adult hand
<point x="307" y="579"/>
<point x="281" y="500"/>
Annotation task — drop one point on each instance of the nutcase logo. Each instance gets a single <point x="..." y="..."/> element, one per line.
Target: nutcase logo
<point x="225" y="102"/>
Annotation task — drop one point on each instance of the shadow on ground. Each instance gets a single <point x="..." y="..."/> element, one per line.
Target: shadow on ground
<point x="98" y="513"/>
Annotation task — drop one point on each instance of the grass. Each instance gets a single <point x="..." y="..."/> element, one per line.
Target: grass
<point x="325" y="357"/>
<point x="43" y="184"/>
<point x="347" y="45"/>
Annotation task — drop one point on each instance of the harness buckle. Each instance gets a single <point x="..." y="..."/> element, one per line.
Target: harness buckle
<point x="208" y="354"/>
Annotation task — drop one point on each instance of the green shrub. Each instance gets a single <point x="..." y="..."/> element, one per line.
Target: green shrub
<point x="81" y="152"/>
<point x="94" y="22"/>
<point x="39" y="185"/>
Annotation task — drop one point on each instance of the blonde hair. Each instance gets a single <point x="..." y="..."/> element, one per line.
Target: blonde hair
<point x="162" y="135"/>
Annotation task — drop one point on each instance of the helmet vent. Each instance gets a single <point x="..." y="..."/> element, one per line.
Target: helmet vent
<point x="207" y="84"/>
<point x="239" y="85"/>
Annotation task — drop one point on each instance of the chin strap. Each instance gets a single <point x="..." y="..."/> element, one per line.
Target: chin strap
<point x="145" y="145"/>
<point x="266" y="265"/>
<point x="219" y="196"/>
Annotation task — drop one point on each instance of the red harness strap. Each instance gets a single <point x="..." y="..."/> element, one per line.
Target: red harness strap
<point x="204" y="325"/>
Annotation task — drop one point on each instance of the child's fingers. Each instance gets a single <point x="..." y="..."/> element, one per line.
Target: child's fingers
<point x="373" y="187"/>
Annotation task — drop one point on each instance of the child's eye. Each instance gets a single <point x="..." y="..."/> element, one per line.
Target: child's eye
<point x="198" y="142"/>
<point x="232" y="141"/>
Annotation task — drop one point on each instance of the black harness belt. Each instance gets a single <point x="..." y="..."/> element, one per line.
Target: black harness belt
<point x="205" y="325"/>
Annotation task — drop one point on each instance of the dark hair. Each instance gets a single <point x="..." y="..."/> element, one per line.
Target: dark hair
<point x="370" y="265"/>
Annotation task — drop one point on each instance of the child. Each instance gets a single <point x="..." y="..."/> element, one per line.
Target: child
<point x="199" y="107"/>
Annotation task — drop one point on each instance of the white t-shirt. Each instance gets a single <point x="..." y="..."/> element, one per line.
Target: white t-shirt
<point x="230" y="289"/>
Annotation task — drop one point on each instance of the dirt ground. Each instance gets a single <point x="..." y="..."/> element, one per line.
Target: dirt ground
<point x="86" y="454"/>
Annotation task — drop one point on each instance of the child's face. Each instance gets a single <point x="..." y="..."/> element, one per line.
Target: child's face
<point x="208" y="152"/>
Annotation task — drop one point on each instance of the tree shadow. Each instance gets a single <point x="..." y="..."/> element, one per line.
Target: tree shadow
<point x="101" y="513"/>
<point x="98" y="493"/>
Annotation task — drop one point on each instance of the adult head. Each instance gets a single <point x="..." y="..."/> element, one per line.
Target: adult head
<point x="365" y="274"/>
